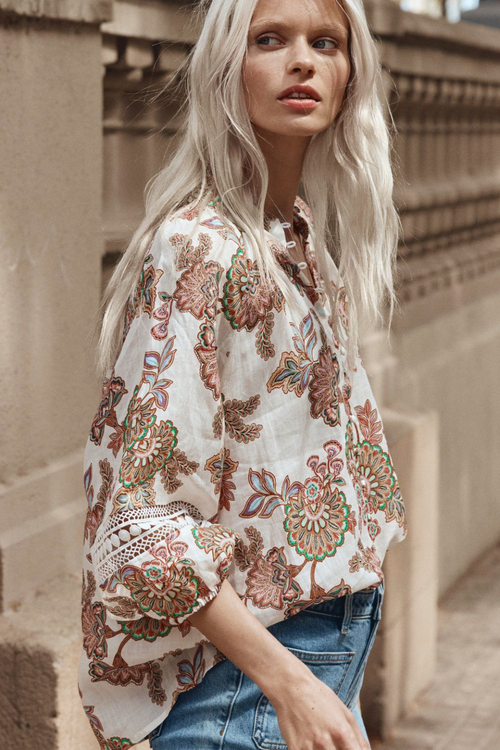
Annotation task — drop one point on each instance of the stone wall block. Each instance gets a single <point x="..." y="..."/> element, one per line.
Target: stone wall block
<point x="403" y="659"/>
<point x="82" y="11"/>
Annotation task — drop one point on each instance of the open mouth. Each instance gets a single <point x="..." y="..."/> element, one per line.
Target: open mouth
<point x="300" y="97"/>
<point x="300" y="94"/>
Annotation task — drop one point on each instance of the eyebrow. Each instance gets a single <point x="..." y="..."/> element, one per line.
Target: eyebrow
<point x="270" y="22"/>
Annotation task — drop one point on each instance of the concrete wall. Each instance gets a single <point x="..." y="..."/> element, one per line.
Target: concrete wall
<point x="50" y="246"/>
<point x="51" y="243"/>
<point x="443" y="83"/>
<point x="451" y="363"/>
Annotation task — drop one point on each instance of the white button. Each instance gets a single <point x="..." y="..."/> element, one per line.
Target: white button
<point x="291" y="244"/>
<point x="302" y="264"/>
<point x="286" y="224"/>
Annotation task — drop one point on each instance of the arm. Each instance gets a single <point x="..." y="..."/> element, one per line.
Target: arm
<point x="157" y="529"/>
<point x="307" y="709"/>
<point x="259" y="654"/>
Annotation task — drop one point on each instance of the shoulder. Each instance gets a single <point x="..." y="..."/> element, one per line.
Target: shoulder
<point x="196" y="235"/>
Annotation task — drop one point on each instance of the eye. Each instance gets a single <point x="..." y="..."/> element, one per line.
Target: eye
<point x="265" y="40"/>
<point x="324" y="42"/>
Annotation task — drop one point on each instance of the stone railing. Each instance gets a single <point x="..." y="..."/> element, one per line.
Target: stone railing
<point x="142" y="48"/>
<point x="444" y="87"/>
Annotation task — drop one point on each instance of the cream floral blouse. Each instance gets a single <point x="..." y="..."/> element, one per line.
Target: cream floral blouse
<point x="231" y="441"/>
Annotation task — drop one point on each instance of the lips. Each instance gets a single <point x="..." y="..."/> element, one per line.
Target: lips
<point x="300" y="89"/>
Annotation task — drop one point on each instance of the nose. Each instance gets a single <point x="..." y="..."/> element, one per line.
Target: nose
<point x="301" y="59"/>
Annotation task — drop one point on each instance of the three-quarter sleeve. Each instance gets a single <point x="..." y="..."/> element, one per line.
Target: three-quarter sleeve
<point x="157" y="549"/>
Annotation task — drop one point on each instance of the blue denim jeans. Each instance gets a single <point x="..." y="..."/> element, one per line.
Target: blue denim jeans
<point x="227" y="711"/>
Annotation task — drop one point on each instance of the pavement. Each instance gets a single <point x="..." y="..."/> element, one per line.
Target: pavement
<point x="461" y="709"/>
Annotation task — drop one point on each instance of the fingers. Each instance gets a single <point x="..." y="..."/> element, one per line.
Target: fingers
<point x="360" y="738"/>
<point x="349" y="740"/>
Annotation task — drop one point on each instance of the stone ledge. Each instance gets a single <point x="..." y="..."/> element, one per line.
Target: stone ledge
<point x="24" y="562"/>
<point x="154" y="20"/>
<point x="83" y="11"/>
<point x="388" y="20"/>
<point x="39" y="652"/>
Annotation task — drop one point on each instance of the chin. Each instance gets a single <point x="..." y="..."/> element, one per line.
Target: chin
<point x="303" y="132"/>
<point x="297" y="127"/>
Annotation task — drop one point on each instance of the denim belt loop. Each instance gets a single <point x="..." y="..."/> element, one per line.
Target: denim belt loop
<point x="377" y="613"/>
<point x="347" y="613"/>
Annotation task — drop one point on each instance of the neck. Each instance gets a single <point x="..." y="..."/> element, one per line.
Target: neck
<point x="285" y="159"/>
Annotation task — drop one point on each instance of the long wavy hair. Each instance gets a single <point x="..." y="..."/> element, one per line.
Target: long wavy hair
<point x="347" y="178"/>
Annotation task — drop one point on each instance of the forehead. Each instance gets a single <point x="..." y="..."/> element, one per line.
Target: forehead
<point x="303" y="14"/>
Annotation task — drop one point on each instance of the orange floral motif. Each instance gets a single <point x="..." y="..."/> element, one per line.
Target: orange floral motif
<point x="234" y="411"/>
<point x="341" y="589"/>
<point x="143" y="298"/>
<point x="366" y="558"/>
<point x="166" y="592"/>
<point x="113" y="390"/>
<point x="221" y="468"/>
<point x="317" y="520"/>
<point x="186" y="254"/>
<point x="197" y="289"/>
<point x="190" y="674"/>
<point x="294" y="371"/>
<point x="140" y="418"/>
<point x="270" y="581"/>
<point x="94" y="628"/>
<point x="147" y="456"/>
<point x="324" y="387"/>
<point x="128" y="498"/>
<point x="215" y="539"/>
<point x="246" y="299"/>
<point x="206" y="351"/>
<point x="372" y="473"/>
<point x="95" y="511"/>
<point x="147" y="628"/>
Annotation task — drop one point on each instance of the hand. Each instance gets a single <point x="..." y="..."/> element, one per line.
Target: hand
<point x="312" y="717"/>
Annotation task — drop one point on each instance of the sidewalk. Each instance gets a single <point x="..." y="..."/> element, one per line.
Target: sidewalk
<point x="461" y="710"/>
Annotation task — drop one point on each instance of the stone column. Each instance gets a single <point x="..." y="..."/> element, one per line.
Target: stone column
<point x="51" y="248"/>
<point x="403" y="659"/>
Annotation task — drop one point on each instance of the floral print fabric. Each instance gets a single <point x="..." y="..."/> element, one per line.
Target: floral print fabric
<point x="231" y="441"/>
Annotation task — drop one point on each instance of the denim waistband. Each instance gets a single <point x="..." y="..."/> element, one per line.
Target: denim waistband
<point x="365" y="603"/>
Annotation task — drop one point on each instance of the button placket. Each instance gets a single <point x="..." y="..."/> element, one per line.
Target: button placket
<point x="277" y="229"/>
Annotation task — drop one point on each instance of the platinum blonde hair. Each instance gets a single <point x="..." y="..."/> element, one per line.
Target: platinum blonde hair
<point x="347" y="178"/>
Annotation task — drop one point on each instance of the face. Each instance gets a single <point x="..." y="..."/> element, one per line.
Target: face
<point x="296" y="48"/>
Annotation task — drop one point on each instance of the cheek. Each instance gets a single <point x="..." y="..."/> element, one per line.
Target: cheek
<point x="345" y="72"/>
<point x="339" y="81"/>
<point x="256" y="79"/>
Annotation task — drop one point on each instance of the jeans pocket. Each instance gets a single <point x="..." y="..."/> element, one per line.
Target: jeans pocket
<point x="357" y="681"/>
<point x="330" y="667"/>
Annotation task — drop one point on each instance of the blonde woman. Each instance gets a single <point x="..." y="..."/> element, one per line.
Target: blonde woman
<point x="241" y="496"/>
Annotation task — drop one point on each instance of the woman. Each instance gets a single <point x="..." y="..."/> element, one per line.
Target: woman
<point x="241" y="495"/>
